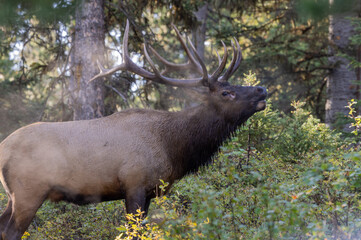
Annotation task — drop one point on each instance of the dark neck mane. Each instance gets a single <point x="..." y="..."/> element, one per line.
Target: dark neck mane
<point x="197" y="135"/>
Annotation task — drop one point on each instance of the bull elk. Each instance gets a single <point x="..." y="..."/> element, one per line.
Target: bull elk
<point x="124" y="156"/>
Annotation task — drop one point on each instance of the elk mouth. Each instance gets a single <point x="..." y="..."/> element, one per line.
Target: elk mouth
<point x="261" y="104"/>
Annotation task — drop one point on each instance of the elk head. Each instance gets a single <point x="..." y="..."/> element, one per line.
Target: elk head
<point x="217" y="91"/>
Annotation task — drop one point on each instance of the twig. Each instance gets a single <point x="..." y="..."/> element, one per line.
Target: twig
<point x="119" y="93"/>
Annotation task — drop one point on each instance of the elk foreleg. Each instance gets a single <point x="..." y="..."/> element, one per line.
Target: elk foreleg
<point x="137" y="199"/>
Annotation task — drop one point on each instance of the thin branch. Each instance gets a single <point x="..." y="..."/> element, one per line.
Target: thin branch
<point x="119" y="93"/>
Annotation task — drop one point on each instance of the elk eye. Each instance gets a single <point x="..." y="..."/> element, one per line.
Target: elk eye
<point x="225" y="93"/>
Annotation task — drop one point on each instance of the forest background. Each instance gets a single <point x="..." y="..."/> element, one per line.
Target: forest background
<point x="292" y="172"/>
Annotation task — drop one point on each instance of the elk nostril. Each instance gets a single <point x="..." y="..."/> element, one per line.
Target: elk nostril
<point x="260" y="90"/>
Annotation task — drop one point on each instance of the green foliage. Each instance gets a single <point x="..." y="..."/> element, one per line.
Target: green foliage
<point x="356" y="124"/>
<point x="319" y="9"/>
<point x="134" y="227"/>
<point x="67" y="221"/>
<point x="288" y="137"/>
<point x="14" y="12"/>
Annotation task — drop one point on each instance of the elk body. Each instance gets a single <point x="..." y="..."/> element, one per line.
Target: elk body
<point x="123" y="156"/>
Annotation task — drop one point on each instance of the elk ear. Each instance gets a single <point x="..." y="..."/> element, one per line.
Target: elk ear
<point x="228" y="94"/>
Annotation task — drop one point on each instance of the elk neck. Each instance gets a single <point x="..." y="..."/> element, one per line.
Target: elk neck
<point x="194" y="135"/>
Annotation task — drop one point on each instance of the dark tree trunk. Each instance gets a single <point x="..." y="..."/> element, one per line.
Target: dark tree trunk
<point x="342" y="82"/>
<point x="87" y="100"/>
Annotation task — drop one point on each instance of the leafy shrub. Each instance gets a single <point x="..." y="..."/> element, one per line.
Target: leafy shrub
<point x="290" y="138"/>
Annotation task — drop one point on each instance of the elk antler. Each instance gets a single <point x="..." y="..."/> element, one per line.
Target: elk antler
<point x="194" y="63"/>
<point x="236" y="61"/>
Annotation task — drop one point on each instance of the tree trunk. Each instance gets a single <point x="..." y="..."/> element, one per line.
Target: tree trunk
<point x="342" y="82"/>
<point x="87" y="100"/>
<point x="199" y="30"/>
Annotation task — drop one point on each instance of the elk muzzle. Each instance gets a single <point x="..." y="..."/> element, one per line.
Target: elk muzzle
<point x="262" y="93"/>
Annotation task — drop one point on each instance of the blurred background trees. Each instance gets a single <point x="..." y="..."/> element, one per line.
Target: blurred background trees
<point x="49" y="50"/>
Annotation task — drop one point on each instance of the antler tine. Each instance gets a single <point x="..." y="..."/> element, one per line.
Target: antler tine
<point x="151" y="63"/>
<point x="239" y="59"/>
<point x="105" y="72"/>
<point x="173" y="66"/>
<point x="200" y="61"/>
<point x="128" y="63"/>
<point x="221" y="65"/>
<point x="229" y="70"/>
<point x="171" y="81"/>
<point x="193" y="63"/>
<point x="219" y="57"/>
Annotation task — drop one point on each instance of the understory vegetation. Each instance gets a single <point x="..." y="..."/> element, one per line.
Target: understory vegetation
<point x="280" y="177"/>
